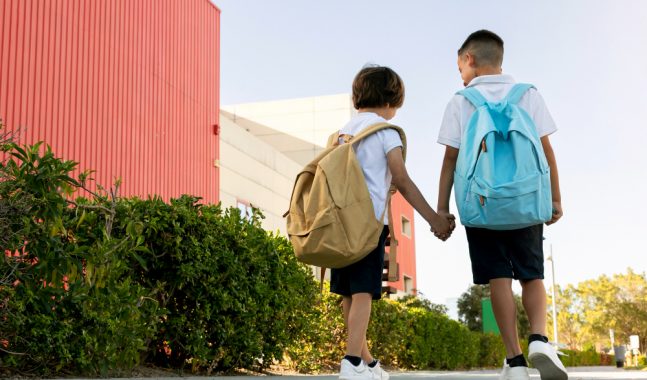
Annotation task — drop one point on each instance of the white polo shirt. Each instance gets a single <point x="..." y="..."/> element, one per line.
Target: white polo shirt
<point x="494" y="88"/>
<point x="371" y="153"/>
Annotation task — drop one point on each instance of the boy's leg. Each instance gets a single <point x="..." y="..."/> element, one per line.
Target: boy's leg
<point x="346" y="306"/>
<point x="541" y="354"/>
<point x="534" y="301"/>
<point x="505" y="313"/>
<point x="358" y="316"/>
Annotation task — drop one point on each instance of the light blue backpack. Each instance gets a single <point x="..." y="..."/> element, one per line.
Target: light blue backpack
<point x="502" y="178"/>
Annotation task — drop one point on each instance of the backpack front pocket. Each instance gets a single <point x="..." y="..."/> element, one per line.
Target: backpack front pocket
<point x="513" y="205"/>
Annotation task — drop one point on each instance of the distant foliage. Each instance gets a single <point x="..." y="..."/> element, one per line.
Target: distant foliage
<point x="586" y="311"/>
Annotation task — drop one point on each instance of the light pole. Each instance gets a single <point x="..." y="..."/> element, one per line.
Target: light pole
<point x="552" y="267"/>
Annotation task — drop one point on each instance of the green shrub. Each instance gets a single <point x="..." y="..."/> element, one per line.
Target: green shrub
<point x="441" y="343"/>
<point x="389" y="332"/>
<point x="409" y="333"/>
<point x="235" y="295"/>
<point x="587" y="357"/>
<point x="105" y="283"/>
<point x="322" y="343"/>
<point x="642" y="361"/>
<point x="492" y="350"/>
<point x="52" y="317"/>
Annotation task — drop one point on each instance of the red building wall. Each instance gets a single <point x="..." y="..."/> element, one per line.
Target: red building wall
<point x="406" y="244"/>
<point x="127" y="88"/>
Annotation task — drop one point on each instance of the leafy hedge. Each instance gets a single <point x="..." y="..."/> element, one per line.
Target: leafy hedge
<point x="100" y="285"/>
<point x="64" y="302"/>
<point x="588" y="357"/>
<point x="234" y="295"/>
<point x="409" y="333"/>
<point x="95" y="284"/>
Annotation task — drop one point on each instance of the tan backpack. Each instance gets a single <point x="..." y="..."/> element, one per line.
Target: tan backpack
<point x="331" y="221"/>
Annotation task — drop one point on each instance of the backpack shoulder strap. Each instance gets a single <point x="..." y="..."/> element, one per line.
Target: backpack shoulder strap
<point x="378" y="127"/>
<point x="517" y="91"/>
<point x="473" y="95"/>
<point x="393" y="247"/>
<point x="333" y="140"/>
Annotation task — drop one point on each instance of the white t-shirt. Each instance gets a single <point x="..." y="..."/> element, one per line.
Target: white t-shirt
<point x="371" y="153"/>
<point x="494" y="88"/>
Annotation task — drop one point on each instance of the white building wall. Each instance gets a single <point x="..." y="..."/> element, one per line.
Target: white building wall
<point x="254" y="172"/>
<point x="311" y="120"/>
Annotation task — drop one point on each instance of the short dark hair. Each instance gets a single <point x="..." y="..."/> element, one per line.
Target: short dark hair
<point x="485" y="46"/>
<point x="377" y="86"/>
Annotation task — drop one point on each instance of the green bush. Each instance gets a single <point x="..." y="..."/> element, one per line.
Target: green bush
<point x="52" y="317"/>
<point x="441" y="343"/>
<point x="642" y="361"/>
<point x="389" y="332"/>
<point x="234" y="295"/>
<point x="492" y="350"/>
<point x="99" y="285"/>
<point x="322" y="344"/>
<point x="409" y="333"/>
<point x="587" y="357"/>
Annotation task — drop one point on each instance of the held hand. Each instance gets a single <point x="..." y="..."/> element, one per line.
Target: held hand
<point x="442" y="227"/>
<point x="450" y="217"/>
<point x="557" y="213"/>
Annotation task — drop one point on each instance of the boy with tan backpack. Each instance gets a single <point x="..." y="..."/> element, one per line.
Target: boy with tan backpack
<point x="338" y="206"/>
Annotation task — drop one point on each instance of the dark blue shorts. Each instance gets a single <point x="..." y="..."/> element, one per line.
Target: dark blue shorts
<point x="364" y="276"/>
<point x="517" y="254"/>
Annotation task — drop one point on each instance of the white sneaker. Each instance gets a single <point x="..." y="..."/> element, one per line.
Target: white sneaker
<point x="514" y="373"/>
<point x="378" y="372"/>
<point x="350" y="372"/>
<point x="543" y="356"/>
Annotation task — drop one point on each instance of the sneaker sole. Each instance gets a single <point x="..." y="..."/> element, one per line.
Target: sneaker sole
<point x="368" y="376"/>
<point x="547" y="369"/>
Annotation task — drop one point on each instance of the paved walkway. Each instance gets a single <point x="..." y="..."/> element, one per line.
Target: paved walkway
<point x="582" y="373"/>
<point x="579" y="373"/>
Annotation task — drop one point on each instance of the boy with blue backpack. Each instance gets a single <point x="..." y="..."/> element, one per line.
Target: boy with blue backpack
<point x="500" y="162"/>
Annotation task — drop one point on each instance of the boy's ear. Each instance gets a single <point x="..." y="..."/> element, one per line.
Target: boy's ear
<point x="470" y="59"/>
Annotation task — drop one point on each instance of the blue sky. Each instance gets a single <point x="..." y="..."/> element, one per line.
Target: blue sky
<point x="587" y="58"/>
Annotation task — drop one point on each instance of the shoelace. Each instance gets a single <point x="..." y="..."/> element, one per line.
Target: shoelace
<point x="557" y="346"/>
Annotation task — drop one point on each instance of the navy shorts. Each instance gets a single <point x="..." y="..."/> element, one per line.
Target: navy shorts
<point x="364" y="276"/>
<point x="517" y="254"/>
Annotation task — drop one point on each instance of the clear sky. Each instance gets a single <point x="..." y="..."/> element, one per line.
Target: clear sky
<point x="588" y="58"/>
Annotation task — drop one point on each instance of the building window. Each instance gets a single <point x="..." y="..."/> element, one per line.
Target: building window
<point x="406" y="227"/>
<point x="245" y="209"/>
<point x="408" y="285"/>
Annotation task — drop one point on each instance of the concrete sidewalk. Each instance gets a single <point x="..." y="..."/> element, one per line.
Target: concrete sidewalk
<point x="578" y="373"/>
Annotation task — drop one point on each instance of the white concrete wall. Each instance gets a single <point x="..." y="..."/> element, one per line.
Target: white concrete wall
<point x="255" y="172"/>
<point x="311" y="120"/>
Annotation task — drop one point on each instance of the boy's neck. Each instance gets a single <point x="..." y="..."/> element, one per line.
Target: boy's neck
<point x="380" y="111"/>
<point x="487" y="70"/>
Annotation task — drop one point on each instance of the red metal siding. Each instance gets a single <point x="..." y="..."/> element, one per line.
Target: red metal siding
<point x="406" y="244"/>
<point x="127" y="88"/>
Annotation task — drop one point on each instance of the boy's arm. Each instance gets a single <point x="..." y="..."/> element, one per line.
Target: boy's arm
<point x="446" y="179"/>
<point x="440" y="226"/>
<point x="554" y="181"/>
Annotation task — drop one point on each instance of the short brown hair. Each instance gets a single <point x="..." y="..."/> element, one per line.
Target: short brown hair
<point x="377" y="86"/>
<point x="485" y="46"/>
